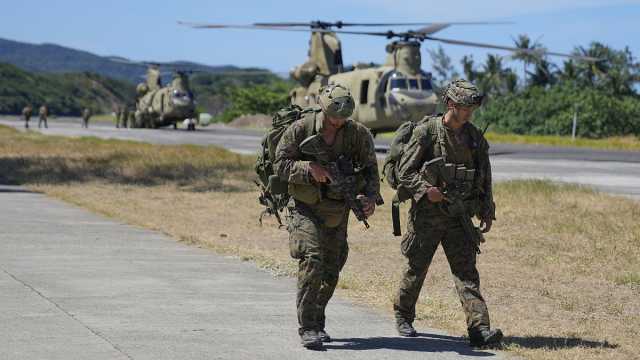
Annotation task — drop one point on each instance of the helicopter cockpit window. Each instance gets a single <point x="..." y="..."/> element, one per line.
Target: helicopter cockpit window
<point x="426" y="84"/>
<point x="413" y="84"/>
<point x="178" y="93"/>
<point x="397" y="81"/>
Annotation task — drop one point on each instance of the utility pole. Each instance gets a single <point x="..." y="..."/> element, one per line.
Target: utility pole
<point x="575" y="124"/>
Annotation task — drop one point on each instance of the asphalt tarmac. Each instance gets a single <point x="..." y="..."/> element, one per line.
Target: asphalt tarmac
<point x="616" y="172"/>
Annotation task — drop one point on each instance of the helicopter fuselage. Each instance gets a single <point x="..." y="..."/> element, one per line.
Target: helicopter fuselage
<point x="384" y="97"/>
<point x="165" y="106"/>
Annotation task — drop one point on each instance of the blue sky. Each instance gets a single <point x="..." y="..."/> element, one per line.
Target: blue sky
<point x="147" y="30"/>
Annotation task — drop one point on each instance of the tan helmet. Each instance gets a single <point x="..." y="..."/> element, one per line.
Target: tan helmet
<point x="336" y="101"/>
<point x="462" y="92"/>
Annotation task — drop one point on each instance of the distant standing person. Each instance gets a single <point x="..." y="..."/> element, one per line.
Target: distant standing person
<point x="124" y="116"/>
<point x="26" y="115"/>
<point x="132" y="117"/>
<point x="118" y="114"/>
<point x="86" y="114"/>
<point x="44" y="113"/>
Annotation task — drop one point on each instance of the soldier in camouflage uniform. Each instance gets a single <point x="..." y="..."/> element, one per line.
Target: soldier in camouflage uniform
<point x="44" y="113"/>
<point x="124" y="117"/>
<point x="318" y="217"/>
<point x="132" y="117"/>
<point x="26" y="115"/>
<point x="454" y="138"/>
<point x="86" y="115"/>
<point x="118" y="114"/>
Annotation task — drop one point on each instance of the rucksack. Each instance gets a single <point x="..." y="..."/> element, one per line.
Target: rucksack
<point x="390" y="167"/>
<point x="397" y="149"/>
<point x="273" y="190"/>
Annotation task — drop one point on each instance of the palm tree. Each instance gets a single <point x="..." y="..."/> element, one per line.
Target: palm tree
<point x="467" y="67"/>
<point x="530" y="54"/>
<point x="543" y="75"/>
<point x="616" y="71"/>
<point x="569" y="72"/>
<point x="493" y="77"/>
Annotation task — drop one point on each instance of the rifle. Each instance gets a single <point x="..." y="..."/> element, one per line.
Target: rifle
<point x="270" y="202"/>
<point x="454" y="179"/>
<point x="343" y="176"/>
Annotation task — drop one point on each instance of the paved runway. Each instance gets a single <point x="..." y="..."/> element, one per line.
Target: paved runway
<point x="616" y="172"/>
<point x="74" y="285"/>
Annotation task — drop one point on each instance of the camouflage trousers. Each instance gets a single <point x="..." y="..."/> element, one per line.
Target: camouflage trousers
<point x="42" y="120"/>
<point x="321" y="249"/>
<point x="428" y="227"/>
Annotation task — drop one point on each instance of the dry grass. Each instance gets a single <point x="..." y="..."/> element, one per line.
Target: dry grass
<point x="560" y="269"/>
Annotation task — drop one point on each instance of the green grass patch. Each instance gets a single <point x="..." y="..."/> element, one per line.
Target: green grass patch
<point x="628" y="279"/>
<point x="631" y="143"/>
<point x="626" y="143"/>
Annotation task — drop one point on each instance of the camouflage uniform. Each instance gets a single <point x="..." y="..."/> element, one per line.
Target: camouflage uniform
<point x="26" y="115"/>
<point x="44" y="113"/>
<point x="118" y="114"/>
<point x="86" y="115"/>
<point x="132" y="118"/>
<point x="124" y="116"/>
<point x="318" y="217"/>
<point x="428" y="226"/>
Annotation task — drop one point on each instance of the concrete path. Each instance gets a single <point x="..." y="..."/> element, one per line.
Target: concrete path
<point x="74" y="285"/>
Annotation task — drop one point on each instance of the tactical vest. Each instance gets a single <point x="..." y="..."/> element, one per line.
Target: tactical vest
<point x="312" y="194"/>
<point x="436" y="134"/>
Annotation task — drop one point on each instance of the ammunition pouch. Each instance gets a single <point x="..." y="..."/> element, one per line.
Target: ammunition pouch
<point x="305" y="193"/>
<point x="276" y="186"/>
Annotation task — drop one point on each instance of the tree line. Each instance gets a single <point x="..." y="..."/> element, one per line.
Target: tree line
<point x="542" y="98"/>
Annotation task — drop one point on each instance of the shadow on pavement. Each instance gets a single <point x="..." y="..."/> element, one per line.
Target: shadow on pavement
<point x="428" y="343"/>
<point x="5" y="189"/>
<point x="555" y="343"/>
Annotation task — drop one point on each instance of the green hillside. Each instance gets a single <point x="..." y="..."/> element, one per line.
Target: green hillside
<point x="64" y="94"/>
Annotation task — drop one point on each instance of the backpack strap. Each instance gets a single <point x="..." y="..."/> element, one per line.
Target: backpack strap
<point x="440" y="139"/>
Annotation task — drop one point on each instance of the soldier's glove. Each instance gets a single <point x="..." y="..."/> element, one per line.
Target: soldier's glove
<point x="485" y="224"/>
<point x="368" y="205"/>
<point x="434" y="194"/>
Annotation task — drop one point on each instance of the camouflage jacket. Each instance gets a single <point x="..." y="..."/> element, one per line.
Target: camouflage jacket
<point x="468" y="147"/>
<point x="353" y="140"/>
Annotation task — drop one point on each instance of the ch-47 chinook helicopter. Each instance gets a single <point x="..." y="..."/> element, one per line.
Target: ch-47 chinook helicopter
<point x="385" y="95"/>
<point x="158" y="105"/>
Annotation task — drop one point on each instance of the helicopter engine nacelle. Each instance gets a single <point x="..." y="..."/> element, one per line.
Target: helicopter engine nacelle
<point x="305" y="73"/>
<point x="141" y="90"/>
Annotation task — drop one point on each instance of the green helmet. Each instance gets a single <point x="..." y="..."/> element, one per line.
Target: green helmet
<point x="336" y="101"/>
<point x="463" y="93"/>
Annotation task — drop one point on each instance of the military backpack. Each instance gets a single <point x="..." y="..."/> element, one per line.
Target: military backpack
<point x="273" y="190"/>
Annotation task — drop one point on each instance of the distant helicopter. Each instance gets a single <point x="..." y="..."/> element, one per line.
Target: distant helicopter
<point x="386" y="95"/>
<point x="158" y="106"/>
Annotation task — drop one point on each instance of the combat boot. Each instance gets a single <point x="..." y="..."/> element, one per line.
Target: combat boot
<point x="310" y="339"/>
<point x="324" y="337"/>
<point x="406" y="329"/>
<point x="485" y="337"/>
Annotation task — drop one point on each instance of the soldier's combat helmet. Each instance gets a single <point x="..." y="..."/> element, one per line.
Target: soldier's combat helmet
<point x="336" y="101"/>
<point x="462" y="92"/>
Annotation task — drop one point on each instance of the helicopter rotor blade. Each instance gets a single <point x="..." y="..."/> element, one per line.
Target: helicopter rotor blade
<point x="510" y="48"/>
<point x="340" y="24"/>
